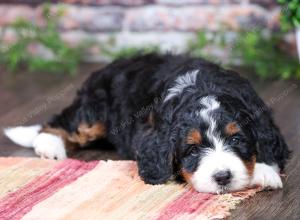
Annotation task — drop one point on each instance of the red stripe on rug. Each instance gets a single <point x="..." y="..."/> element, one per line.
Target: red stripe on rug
<point x="15" y="205"/>
<point x="187" y="203"/>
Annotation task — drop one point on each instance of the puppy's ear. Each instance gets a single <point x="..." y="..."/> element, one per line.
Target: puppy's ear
<point x="271" y="145"/>
<point x="154" y="157"/>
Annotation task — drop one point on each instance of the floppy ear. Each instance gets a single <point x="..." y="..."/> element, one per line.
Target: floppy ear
<point x="154" y="156"/>
<point x="271" y="145"/>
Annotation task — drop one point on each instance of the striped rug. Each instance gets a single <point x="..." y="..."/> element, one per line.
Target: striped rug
<point x="38" y="189"/>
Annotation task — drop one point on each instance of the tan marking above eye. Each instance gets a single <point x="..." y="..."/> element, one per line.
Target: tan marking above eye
<point x="194" y="137"/>
<point x="232" y="128"/>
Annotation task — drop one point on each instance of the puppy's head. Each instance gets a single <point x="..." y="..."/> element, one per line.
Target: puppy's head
<point x="216" y="145"/>
<point x="209" y="140"/>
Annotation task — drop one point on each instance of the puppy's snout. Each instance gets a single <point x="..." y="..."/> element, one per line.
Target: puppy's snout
<point x="223" y="177"/>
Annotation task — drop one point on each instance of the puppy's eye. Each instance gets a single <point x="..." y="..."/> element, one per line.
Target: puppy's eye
<point x="234" y="140"/>
<point x="194" y="150"/>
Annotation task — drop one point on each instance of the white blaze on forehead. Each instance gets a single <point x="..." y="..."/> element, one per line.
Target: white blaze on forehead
<point x="182" y="82"/>
<point x="211" y="104"/>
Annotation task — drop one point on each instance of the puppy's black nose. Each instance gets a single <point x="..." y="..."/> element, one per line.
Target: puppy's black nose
<point x="223" y="177"/>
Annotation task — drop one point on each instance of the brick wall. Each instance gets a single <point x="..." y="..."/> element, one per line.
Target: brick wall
<point x="168" y="23"/>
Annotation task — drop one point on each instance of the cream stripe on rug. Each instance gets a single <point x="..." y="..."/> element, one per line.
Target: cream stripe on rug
<point x="78" y="192"/>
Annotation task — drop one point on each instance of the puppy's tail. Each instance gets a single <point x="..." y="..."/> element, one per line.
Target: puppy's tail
<point x="23" y="136"/>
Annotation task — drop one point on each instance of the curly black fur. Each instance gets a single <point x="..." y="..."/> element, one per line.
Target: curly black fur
<point x="128" y="93"/>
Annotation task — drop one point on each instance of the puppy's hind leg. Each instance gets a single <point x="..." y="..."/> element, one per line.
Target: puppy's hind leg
<point x="75" y="126"/>
<point x="45" y="144"/>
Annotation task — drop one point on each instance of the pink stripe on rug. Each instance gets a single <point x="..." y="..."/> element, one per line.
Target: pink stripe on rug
<point x="189" y="202"/>
<point x="15" y="205"/>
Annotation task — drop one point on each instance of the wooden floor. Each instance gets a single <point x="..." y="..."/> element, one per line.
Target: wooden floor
<point x="31" y="98"/>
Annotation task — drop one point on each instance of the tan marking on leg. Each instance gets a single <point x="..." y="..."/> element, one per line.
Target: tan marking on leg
<point x="88" y="133"/>
<point x="56" y="131"/>
<point x="84" y="134"/>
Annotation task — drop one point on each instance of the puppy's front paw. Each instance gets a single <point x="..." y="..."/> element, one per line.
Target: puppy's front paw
<point x="266" y="176"/>
<point x="49" y="146"/>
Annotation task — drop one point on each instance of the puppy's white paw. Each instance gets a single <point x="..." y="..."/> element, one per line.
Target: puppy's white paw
<point x="49" y="146"/>
<point x="266" y="176"/>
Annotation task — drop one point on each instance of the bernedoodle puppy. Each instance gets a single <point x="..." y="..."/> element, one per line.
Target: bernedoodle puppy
<point x="176" y="116"/>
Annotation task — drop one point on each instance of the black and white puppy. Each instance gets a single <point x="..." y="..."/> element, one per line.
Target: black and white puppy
<point x="175" y="115"/>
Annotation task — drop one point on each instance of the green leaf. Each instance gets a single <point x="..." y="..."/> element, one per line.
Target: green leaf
<point x="296" y="22"/>
<point x="202" y="40"/>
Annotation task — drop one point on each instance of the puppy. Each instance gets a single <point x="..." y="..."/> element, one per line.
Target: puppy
<point x="176" y="116"/>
